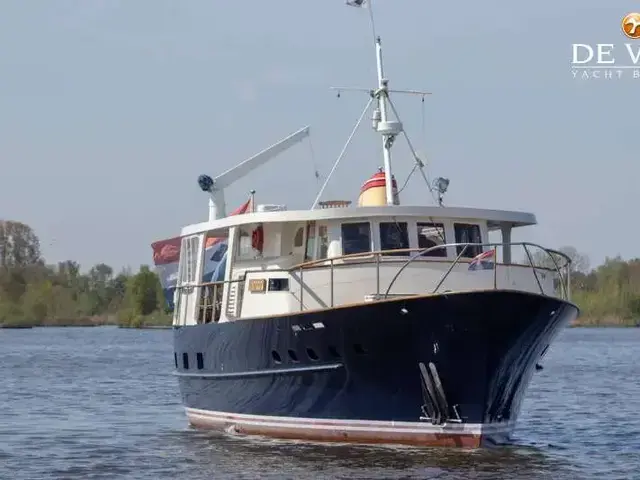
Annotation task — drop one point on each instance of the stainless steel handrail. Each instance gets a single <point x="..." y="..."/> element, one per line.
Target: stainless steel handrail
<point x="377" y="257"/>
<point x="549" y="252"/>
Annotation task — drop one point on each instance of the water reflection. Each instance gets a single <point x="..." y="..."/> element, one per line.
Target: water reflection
<point x="333" y="460"/>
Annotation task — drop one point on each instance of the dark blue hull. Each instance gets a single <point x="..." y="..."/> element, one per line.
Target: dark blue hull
<point x="362" y="363"/>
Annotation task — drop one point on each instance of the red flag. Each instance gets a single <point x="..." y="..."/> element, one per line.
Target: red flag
<point x="242" y="208"/>
<point x="168" y="250"/>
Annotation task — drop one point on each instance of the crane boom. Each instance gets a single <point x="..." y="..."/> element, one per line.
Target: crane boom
<point x="216" y="189"/>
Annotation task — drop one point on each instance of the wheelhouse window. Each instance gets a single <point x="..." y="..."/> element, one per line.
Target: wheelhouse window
<point x="310" y="248"/>
<point x="298" y="239"/>
<point x="468" y="233"/>
<point x="430" y="235"/>
<point x="245" y="250"/>
<point x="394" y="236"/>
<point x="323" y="241"/>
<point x="356" y="238"/>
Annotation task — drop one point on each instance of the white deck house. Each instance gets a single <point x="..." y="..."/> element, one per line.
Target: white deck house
<point x="330" y="257"/>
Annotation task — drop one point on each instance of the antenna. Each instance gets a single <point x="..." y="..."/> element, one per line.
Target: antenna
<point x="389" y="129"/>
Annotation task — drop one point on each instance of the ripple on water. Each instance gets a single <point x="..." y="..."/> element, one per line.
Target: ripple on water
<point x="101" y="403"/>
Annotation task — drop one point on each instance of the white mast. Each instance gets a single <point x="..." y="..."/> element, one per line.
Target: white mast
<point x="388" y="129"/>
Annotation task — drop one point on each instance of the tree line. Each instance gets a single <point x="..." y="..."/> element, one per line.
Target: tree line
<point x="608" y="294"/>
<point x="33" y="292"/>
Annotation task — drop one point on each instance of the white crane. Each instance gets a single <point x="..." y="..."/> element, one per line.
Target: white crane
<point x="215" y="186"/>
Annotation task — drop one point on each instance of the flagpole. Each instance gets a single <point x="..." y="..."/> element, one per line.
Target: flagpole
<point x="373" y="23"/>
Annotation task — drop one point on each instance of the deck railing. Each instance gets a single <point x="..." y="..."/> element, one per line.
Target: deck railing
<point x="210" y="301"/>
<point x="559" y="262"/>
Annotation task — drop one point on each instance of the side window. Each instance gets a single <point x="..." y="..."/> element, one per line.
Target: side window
<point x="195" y="254"/>
<point x="311" y="241"/>
<point x="182" y="274"/>
<point x="468" y="233"/>
<point x="356" y="238"/>
<point x="244" y="244"/>
<point x="431" y="235"/>
<point x="323" y="241"/>
<point x="297" y="240"/>
<point x="394" y="236"/>
<point x="190" y="249"/>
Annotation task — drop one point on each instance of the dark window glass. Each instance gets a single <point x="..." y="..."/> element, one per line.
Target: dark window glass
<point x="431" y="235"/>
<point x="394" y="236"/>
<point x="200" y="360"/>
<point x="468" y="233"/>
<point x="278" y="284"/>
<point x="276" y="356"/>
<point x="356" y="238"/>
<point x="185" y="361"/>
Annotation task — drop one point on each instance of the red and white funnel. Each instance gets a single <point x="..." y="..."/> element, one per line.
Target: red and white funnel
<point x="373" y="191"/>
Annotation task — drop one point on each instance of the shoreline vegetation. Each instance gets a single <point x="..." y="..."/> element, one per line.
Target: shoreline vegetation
<point x="36" y="294"/>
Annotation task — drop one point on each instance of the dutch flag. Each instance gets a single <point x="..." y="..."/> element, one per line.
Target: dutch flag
<point x="483" y="261"/>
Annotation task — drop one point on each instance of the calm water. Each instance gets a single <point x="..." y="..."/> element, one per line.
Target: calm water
<point x="102" y="403"/>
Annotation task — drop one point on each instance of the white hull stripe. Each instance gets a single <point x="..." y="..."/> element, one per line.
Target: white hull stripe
<point x="298" y="423"/>
<point x="260" y="373"/>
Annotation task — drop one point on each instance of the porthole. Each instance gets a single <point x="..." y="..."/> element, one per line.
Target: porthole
<point x="312" y="354"/>
<point x="276" y="356"/>
<point x="293" y="356"/>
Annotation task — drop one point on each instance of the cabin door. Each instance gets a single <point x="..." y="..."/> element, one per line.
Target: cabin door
<point x="189" y="280"/>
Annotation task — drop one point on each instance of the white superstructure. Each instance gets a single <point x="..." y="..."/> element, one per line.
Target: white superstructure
<point x="280" y="262"/>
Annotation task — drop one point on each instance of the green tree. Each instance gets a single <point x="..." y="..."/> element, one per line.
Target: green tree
<point x="19" y="245"/>
<point x="143" y="289"/>
<point x="32" y="292"/>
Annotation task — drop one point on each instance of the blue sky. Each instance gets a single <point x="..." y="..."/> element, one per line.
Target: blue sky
<point x="109" y="110"/>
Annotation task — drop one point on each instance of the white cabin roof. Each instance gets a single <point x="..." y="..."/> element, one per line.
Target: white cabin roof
<point x="494" y="218"/>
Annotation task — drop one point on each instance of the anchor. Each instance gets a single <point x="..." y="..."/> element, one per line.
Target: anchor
<point x="436" y="406"/>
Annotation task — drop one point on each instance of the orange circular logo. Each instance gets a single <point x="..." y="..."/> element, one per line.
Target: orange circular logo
<point x="631" y="25"/>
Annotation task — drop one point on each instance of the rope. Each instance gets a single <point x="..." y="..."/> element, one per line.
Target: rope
<point x="344" y="149"/>
<point x="408" y="177"/>
<point x="419" y="162"/>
